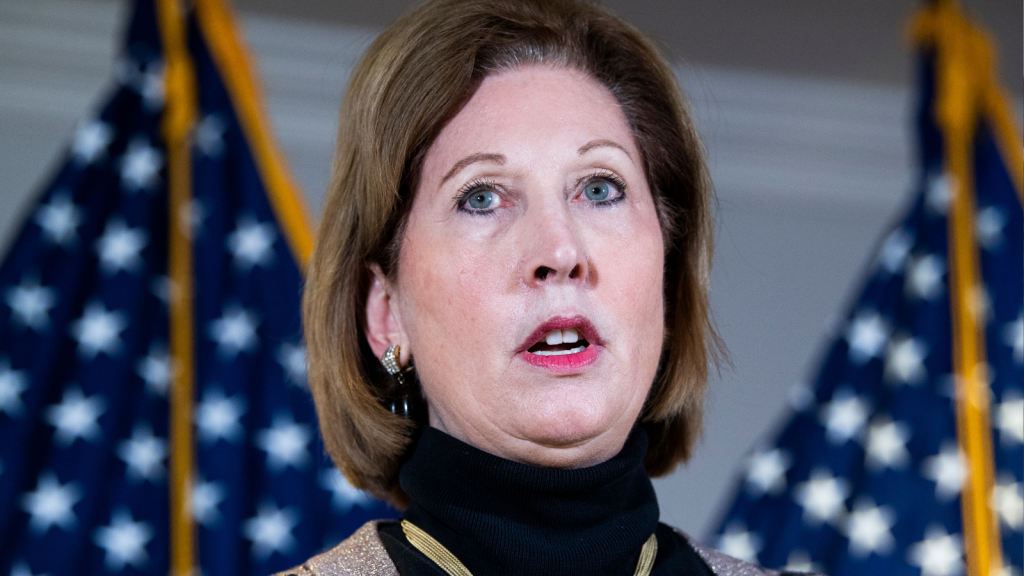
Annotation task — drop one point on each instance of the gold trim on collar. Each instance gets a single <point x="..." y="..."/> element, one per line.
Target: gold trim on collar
<point x="449" y="563"/>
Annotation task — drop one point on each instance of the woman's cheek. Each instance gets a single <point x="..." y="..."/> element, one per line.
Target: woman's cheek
<point x="642" y="297"/>
<point x="454" y="292"/>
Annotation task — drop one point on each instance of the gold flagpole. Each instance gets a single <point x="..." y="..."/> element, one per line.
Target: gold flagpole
<point x="179" y="116"/>
<point x="966" y="92"/>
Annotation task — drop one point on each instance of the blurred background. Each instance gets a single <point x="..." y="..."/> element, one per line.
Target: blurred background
<point x="804" y="107"/>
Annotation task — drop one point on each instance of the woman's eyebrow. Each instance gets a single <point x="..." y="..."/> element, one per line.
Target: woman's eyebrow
<point x="599" y="143"/>
<point x="472" y="158"/>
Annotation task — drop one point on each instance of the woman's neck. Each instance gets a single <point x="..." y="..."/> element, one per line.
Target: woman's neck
<point x="500" y="517"/>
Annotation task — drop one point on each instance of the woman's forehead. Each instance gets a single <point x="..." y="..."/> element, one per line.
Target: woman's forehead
<point x="520" y="113"/>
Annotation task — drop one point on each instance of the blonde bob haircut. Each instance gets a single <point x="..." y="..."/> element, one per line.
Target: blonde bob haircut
<point x="412" y="80"/>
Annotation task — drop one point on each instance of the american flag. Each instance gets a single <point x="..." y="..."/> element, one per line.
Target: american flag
<point x="870" y="472"/>
<point x="86" y="368"/>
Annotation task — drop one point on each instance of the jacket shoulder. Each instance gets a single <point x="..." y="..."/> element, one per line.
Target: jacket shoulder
<point x="362" y="553"/>
<point x="725" y="565"/>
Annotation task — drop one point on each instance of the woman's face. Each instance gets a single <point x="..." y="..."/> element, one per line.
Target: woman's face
<point x="529" y="289"/>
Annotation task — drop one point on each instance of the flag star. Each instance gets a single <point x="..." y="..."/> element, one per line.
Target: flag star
<point x="868" y="528"/>
<point x="1009" y="418"/>
<point x="51" y="504"/>
<point x="20" y="568"/>
<point x="895" y="249"/>
<point x="251" y="243"/>
<point x="217" y="417"/>
<point x="1013" y="336"/>
<point x="209" y="135"/>
<point x="738" y="542"/>
<point x="343" y="495"/>
<point x="822" y="497"/>
<point x="30" y="304"/>
<point x="886" y="444"/>
<point x="989" y="226"/>
<point x="766" y="471"/>
<point x="91" y="141"/>
<point x="947" y="470"/>
<point x="75" y="417"/>
<point x="146" y="79"/>
<point x="904" y="361"/>
<point x="800" y="561"/>
<point x="939" y="554"/>
<point x="940" y="193"/>
<point x="206" y="497"/>
<point x="234" y="331"/>
<point x="192" y="216"/>
<point x="155" y="370"/>
<point x="1008" y="501"/>
<point x="285" y="443"/>
<point x="946" y="385"/>
<point x="979" y="303"/>
<point x="162" y="288"/>
<point x="293" y="359"/>
<point x="140" y="167"/>
<point x="12" y="384"/>
<point x="124" y="541"/>
<point x="924" y="277"/>
<point x="271" y="531"/>
<point x="151" y="86"/>
<point x="59" y="220"/>
<point x="844" y="416"/>
<point x="867" y="336"/>
<point x="119" y="247"/>
<point x="98" y="330"/>
<point x="144" y="454"/>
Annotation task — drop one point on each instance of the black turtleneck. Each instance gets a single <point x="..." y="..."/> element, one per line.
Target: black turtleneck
<point x="502" y="517"/>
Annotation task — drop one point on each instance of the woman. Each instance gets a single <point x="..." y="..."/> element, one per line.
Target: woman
<point x="507" y="312"/>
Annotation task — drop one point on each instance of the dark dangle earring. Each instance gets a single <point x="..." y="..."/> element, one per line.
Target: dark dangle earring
<point x="400" y="400"/>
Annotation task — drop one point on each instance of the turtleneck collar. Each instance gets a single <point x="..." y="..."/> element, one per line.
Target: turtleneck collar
<point x="503" y="517"/>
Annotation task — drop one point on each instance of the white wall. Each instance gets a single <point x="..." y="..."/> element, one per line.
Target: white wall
<point x="808" y="174"/>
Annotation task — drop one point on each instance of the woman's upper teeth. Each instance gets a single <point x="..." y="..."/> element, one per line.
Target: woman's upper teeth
<point x="566" y="336"/>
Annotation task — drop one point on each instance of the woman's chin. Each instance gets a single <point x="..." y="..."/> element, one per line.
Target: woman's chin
<point x="570" y="439"/>
<point x="579" y="454"/>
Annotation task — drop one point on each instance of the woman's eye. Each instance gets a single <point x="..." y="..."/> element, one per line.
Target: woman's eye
<point x="601" y="191"/>
<point x="482" y="200"/>
<point x="480" y="197"/>
<point x="597" y="191"/>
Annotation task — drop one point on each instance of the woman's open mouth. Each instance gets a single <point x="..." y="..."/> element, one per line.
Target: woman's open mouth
<point x="559" y="343"/>
<point x="562" y="345"/>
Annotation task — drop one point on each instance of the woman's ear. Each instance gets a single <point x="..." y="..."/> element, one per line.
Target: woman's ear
<point x="383" y="320"/>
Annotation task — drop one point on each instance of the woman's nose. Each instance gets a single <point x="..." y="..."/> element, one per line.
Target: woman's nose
<point x="556" y="252"/>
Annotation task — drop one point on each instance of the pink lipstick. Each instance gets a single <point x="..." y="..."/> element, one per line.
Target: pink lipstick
<point x="564" y="345"/>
